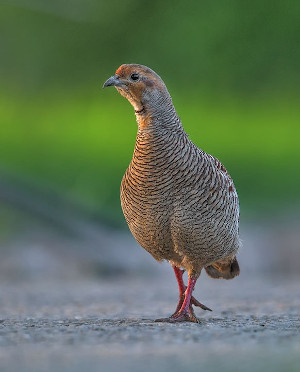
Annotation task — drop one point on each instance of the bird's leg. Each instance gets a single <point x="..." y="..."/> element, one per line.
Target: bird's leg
<point x="186" y="313"/>
<point x="182" y="289"/>
<point x="181" y="286"/>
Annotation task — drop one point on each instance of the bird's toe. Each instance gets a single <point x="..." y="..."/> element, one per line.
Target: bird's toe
<point x="197" y="303"/>
<point x="180" y="317"/>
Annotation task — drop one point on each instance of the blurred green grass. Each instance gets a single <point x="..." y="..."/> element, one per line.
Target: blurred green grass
<point x="80" y="143"/>
<point x="232" y="69"/>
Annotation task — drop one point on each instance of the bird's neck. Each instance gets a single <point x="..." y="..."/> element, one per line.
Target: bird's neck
<point x="160" y="130"/>
<point x="159" y="117"/>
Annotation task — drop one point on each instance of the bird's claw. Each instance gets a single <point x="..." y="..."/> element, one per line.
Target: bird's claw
<point x="183" y="315"/>
<point x="180" y="317"/>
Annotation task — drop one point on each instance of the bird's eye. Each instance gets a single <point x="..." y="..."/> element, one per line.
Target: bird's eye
<point x="134" y="77"/>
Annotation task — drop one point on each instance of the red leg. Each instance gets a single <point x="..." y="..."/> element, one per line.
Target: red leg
<point x="182" y="289"/>
<point x="181" y="286"/>
<point x="179" y="274"/>
<point x="186" y="313"/>
<point x="184" y="310"/>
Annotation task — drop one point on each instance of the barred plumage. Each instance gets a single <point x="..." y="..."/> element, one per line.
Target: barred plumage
<point x="180" y="203"/>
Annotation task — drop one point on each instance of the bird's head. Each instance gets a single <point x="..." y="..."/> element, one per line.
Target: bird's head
<point x="143" y="88"/>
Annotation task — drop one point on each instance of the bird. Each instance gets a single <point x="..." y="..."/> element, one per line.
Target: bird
<point x="180" y="203"/>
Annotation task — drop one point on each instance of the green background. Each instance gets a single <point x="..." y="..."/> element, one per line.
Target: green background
<point x="231" y="67"/>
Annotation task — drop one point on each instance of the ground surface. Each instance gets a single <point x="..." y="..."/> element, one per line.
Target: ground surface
<point x="108" y="325"/>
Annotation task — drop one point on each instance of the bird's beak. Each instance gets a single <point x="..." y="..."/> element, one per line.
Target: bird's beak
<point x="112" y="81"/>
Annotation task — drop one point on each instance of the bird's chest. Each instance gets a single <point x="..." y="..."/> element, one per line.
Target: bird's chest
<point x="147" y="206"/>
<point x="146" y="188"/>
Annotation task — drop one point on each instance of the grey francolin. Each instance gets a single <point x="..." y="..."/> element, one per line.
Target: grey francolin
<point x="180" y="203"/>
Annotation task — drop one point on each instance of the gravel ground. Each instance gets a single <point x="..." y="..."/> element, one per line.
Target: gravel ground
<point x="88" y="302"/>
<point x="108" y="325"/>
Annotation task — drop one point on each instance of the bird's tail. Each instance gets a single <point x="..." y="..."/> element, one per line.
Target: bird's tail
<point x="225" y="269"/>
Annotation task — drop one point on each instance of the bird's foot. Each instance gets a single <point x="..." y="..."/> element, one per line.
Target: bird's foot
<point x="181" y="316"/>
<point x="184" y="316"/>
<point x="193" y="302"/>
<point x="184" y="311"/>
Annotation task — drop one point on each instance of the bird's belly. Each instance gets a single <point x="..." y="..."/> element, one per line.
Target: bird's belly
<point x="179" y="224"/>
<point x="203" y="231"/>
<point x="203" y="241"/>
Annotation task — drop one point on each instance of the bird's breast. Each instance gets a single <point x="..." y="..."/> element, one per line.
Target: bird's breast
<point x="174" y="194"/>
